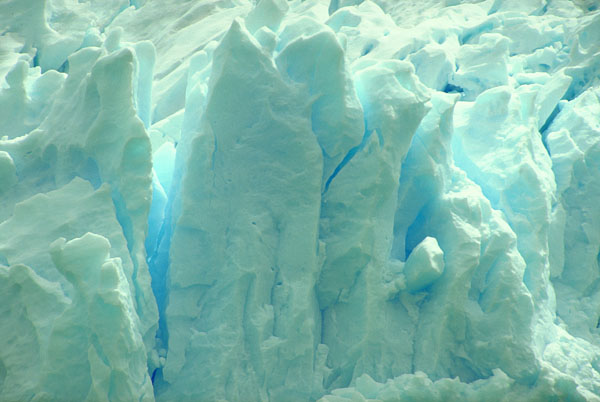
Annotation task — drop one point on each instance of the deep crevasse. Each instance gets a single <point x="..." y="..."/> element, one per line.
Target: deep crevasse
<point x="338" y="200"/>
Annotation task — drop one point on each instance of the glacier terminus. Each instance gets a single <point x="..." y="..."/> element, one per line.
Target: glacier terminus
<point x="299" y="200"/>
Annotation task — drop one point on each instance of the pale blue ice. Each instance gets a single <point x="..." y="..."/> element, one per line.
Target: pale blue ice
<point x="288" y="200"/>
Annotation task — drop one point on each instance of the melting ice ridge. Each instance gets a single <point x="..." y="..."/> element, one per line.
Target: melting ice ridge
<point x="280" y="200"/>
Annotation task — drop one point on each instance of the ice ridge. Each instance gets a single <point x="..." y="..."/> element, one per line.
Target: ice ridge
<point x="280" y="200"/>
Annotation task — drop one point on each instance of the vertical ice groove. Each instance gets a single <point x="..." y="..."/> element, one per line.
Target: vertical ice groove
<point x="336" y="114"/>
<point x="353" y="151"/>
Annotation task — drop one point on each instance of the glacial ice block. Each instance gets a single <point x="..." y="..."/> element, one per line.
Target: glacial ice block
<point x="76" y="209"/>
<point x="336" y="113"/>
<point x="299" y="200"/>
<point x="356" y="231"/>
<point x="30" y="307"/>
<point x="251" y="193"/>
<point x="574" y="148"/>
<point x="511" y="165"/>
<point x="102" y="303"/>
<point x="92" y="131"/>
<point x="178" y="30"/>
<point x="482" y="65"/>
<point x="83" y="347"/>
<point x="26" y="102"/>
<point x="424" y="265"/>
<point x="475" y="298"/>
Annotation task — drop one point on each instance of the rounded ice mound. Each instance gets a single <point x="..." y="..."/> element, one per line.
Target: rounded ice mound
<point x="424" y="265"/>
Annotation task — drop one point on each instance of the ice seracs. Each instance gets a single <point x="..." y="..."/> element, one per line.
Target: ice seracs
<point x="299" y="200"/>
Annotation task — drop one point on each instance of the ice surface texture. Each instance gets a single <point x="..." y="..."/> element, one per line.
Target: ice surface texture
<point x="278" y="200"/>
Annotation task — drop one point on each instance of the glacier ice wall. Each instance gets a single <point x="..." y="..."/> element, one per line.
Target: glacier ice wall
<point x="335" y="200"/>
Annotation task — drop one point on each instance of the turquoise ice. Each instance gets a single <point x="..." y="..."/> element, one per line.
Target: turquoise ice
<point x="273" y="200"/>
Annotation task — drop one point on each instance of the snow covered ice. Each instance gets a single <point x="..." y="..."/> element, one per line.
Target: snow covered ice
<point x="272" y="200"/>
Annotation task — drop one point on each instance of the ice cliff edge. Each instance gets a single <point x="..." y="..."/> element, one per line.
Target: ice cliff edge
<point x="299" y="200"/>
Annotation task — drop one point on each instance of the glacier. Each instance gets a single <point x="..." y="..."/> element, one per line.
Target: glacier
<point x="299" y="200"/>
